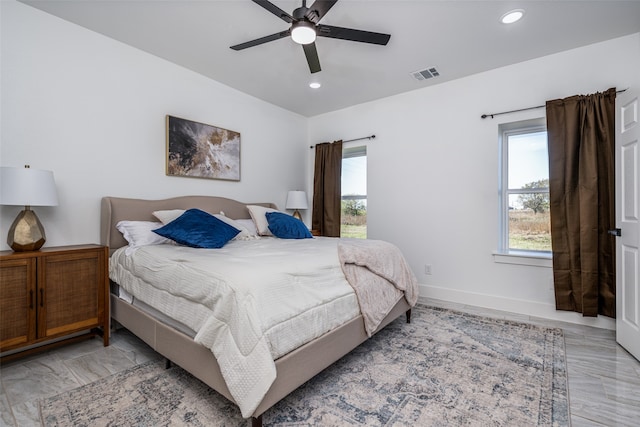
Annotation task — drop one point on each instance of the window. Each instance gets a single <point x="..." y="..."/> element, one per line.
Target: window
<point x="353" y="218"/>
<point x="524" y="189"/>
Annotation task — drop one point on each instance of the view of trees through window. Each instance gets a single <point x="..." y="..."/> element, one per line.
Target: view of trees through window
<point x="354" y="193"/>
<point x="529" y="224"/>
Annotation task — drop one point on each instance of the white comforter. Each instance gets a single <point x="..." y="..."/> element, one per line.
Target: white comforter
<point x="249" y="302"/>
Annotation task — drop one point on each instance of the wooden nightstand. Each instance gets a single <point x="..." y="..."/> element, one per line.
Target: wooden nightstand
<point x="49" y="294"/>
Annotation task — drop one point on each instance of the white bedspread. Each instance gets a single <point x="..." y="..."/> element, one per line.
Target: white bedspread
<point x="242" y="303"/>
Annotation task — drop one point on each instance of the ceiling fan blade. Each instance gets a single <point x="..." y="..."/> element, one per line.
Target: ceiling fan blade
<point x="311" y="53"/>
<point x="318" y="9"/>
<point x="262" y="40"/>
<point x="275" y="10"/>
<point x="353" y="35"/>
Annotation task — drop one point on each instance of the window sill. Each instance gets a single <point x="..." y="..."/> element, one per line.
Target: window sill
<point x="523" y="258"/>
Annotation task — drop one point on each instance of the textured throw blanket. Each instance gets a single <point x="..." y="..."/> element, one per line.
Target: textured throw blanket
<point x="379" y="275"/>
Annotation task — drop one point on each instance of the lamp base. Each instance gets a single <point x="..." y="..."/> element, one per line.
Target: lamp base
<point x="26" y="233"/>
<point x="296" y="214"/>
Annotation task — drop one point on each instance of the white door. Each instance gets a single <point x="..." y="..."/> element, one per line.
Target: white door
<point x="628" y="219"/>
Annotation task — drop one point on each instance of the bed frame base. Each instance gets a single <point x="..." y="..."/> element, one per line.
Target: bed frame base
<point x="293" y="369"/>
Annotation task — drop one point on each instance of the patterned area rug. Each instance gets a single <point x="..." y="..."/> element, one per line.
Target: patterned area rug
<point x="445" y="368"/>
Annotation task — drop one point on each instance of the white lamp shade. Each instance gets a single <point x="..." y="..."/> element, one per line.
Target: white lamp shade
<point x="297" y="200"/>
<point x="27" y="187"/>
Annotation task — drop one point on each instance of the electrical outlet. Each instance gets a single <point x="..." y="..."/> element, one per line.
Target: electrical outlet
<point x="427" y="269"/>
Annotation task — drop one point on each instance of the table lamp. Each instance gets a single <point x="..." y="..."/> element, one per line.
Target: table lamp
<point x="27" y="187"/>
<point x="297" y="200"/>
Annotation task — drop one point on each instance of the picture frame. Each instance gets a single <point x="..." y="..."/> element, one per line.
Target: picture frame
<point x="199" y="150"/>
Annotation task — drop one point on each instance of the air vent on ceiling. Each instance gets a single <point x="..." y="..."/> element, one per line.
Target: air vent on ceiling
<point x="425" y="74"/>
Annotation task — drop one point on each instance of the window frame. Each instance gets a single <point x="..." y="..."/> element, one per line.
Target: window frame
<point x="528" y="256"/>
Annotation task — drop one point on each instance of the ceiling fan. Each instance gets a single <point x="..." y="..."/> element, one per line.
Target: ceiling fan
<point x="305" y="27"/>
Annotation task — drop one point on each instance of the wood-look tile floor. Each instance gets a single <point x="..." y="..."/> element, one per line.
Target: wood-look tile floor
<point x="604" y="380"/>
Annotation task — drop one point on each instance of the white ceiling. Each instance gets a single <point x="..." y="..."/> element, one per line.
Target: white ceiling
<point x="459" y="37"/>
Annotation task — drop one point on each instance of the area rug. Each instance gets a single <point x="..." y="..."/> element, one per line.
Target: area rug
<point x="445" y="368"/>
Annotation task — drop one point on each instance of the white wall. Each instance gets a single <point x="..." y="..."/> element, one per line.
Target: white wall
<point x="92" y="110"/>
<point x="433" y="170"/>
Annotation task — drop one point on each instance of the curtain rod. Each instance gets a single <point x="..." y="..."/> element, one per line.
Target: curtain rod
<point x="484" y="116"/>
<point x="355" y="139"/>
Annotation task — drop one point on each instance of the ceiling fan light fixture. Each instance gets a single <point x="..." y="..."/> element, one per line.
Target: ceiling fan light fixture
<point x="304" y="27"/>
<point x="303" y="32"/>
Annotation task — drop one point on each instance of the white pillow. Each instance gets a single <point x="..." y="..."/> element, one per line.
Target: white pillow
<point x="244" y="234"/>
<point x="249" y="225"/>
<point x="258" y="214"/>
<point x="169" y="215"/>
<point x="140" y="233"/>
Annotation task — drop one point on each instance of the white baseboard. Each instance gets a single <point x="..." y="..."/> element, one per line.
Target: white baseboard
<point x="529" y="308"/>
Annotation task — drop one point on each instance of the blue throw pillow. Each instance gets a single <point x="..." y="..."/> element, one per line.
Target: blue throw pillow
<point x="287" y="227"/>
<point x="198" y="229"/>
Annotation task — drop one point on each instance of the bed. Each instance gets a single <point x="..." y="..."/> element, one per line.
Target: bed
<point x="177" y="345"/>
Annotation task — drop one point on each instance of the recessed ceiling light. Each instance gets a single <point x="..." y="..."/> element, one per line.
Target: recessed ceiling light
<point x="512" y="16"/>
<point x="314" y="85"/>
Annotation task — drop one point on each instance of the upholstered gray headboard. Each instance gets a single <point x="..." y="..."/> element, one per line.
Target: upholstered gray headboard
<point x="115" y="209"/>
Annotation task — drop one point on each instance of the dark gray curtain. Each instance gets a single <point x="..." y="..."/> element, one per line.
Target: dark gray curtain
<point x="327" y="179"/>
<point x="581" y="135"/>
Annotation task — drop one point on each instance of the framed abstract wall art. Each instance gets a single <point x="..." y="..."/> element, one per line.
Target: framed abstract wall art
<point x="202" y="151"/>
